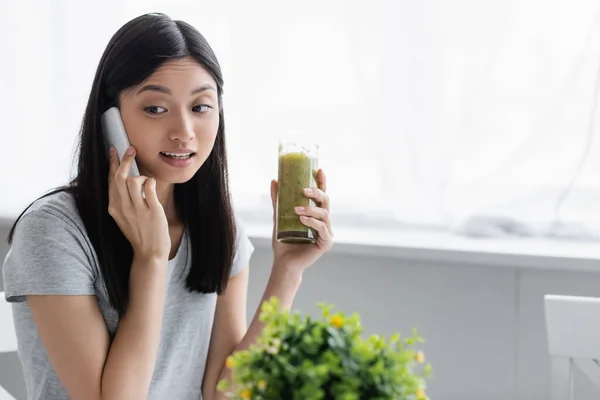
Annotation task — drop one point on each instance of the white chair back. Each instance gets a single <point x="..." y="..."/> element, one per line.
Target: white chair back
<point x="8" y="337"/>
<point x="573" y="330"/>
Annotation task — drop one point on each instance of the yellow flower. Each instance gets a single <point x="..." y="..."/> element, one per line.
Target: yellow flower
<point x="246" y="394"/>
<point x="261" y="384"/>
<point x="229" y="362"/>
<point x="420" y="357"/>
<point x="421" y="394"/>
<point x="337" y="321"/>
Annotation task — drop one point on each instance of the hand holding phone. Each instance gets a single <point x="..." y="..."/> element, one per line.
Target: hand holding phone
<point x="142" y="219"/>
<point x="133" y="202"/>
<point x="116" y="136"/>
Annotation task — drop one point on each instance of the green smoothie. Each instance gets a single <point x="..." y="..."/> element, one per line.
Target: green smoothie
<point x="296" y="172"/>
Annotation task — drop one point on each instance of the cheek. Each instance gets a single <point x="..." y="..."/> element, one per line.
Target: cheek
<point x="138" y="141"/>
<point x="146" y="149"/>
<point x="208" y="132"/>
<point x="206" y="140"/>
<point x="146" y="141"/>
<point x="140" y="135"/>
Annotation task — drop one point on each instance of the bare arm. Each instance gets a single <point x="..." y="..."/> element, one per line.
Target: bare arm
<point x="72" y="328"/>
<point x="229" y="334"/>
<point x="229" y="330"/>
<point x="132" y="356"/>
<point x="78" y="344"/>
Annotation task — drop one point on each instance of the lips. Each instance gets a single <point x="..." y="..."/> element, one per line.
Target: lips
<point x="178" y="160"/>
<point x="177" y="154"/>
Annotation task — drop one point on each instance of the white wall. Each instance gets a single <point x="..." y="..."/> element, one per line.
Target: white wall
<point x="484" y="325"/>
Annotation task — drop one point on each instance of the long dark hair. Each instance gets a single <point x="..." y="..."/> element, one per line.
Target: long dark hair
<point x="203" y="203"/>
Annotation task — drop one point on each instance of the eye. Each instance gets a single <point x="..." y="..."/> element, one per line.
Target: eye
<point x="154" y="109"/>
<point x="202" y="108"/>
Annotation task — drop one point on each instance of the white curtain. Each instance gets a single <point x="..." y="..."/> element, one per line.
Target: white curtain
<point x="476" y="117"/>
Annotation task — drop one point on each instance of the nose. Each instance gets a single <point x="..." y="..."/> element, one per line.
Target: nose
<point x="182" y="128"/>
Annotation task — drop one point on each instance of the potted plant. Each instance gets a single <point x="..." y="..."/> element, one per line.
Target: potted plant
<point x="301" y="358"/>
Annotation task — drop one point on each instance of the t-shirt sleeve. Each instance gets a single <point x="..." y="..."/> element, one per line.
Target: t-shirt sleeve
<point x="49" y="256"/>
<point x="243" y="248"/>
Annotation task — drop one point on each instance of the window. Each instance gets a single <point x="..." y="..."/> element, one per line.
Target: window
<point x="427" y="113"/>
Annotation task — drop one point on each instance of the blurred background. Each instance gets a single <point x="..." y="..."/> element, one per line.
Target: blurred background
<point x="459" y="138"/>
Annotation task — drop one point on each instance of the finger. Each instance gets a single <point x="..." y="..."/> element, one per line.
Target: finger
<point x="317" y="225"/>
<point x="113" y="191"/>
<point x="315" y="212"/>
<point x="113" y="160"/>
<point x="274" y="193"/>
<point x="122" y="175"/>
<point x="134" y="185"/>
<point x="274" y="200"/>
<point x="319" y="196"/>
<point x="318" y="213"/>
<point x="127" y="161"/>
<point x="151" y="196"/>
<point x="321" y="180"/>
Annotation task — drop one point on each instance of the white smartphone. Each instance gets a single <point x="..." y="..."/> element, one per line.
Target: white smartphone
<point x="116" y="136"/>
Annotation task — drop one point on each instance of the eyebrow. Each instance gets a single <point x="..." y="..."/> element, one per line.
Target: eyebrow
<point x="166" y="90"/>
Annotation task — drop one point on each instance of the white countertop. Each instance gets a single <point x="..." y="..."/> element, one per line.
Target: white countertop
<point x="454" y="249"/>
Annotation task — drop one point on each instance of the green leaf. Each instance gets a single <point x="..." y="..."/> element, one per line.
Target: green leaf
<point x="303" y="358"/>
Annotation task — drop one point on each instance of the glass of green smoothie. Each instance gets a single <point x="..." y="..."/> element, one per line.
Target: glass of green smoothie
<point x="298" y="161"/>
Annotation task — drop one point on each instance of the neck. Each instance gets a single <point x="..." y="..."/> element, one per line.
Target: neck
<point x="165" y="193"/>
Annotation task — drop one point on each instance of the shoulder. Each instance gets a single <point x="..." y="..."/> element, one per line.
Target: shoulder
<point x="57" y="214"/>
<point x="50" y="252"/>
<point x="52" y="224"/>
<point x="60" y="207"/>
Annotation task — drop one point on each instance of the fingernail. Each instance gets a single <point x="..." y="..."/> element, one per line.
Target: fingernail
<point x="112" y="151"/>
<point x="299" y="209"/>
<point x="304" y="218"/>
<point x="130" y="150"/>
<point x="308" y="190"/>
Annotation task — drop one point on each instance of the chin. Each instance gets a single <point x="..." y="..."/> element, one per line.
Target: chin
<point x="176" y="177"/>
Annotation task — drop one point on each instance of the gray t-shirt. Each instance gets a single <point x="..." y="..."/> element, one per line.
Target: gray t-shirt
<point x="51" y="254"/>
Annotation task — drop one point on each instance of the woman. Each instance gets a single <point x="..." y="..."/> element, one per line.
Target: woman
<point x="120" y="296"/>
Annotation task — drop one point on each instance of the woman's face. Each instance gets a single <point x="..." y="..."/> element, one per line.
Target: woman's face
<point x="172" y="119"/>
